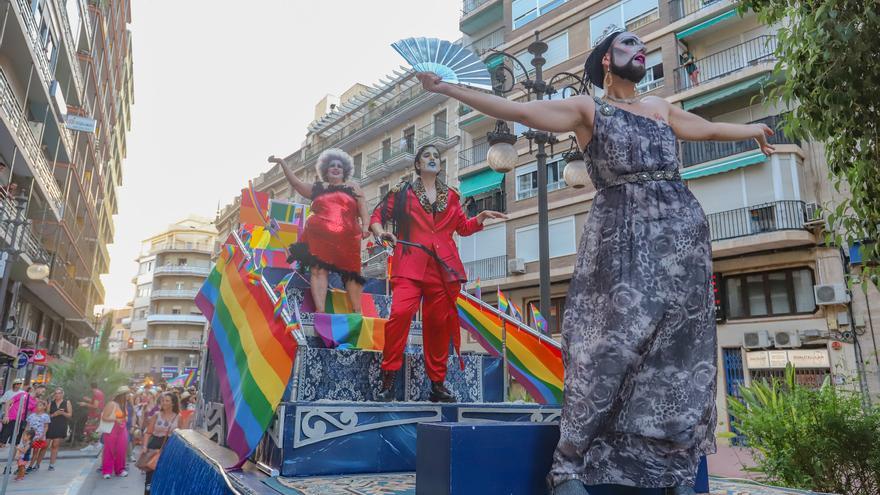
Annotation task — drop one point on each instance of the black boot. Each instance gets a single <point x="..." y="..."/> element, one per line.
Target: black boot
<point x="387" y="392"/>
<point x="439" y="393"/>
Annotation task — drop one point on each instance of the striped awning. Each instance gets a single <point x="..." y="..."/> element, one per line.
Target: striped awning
<point x="705" y="24"/>
<point x="737" y="89"/>
<point x="481" y="182"/>
<point x="722" y="166"/>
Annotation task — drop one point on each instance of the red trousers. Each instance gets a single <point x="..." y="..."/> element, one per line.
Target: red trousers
<point x="439" y="320"/>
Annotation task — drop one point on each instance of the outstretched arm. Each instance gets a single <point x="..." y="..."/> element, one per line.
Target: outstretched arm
<point x="570" y="115"/>
<point x="692" y="127"/>
<point x="304" y="189"/>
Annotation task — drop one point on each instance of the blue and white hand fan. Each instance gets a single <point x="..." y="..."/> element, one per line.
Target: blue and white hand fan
<point x="452" y="62"/>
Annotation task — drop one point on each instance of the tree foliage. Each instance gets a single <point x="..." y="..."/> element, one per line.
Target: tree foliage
<point x="810" y="439"/>
<point x="830" y="71"/>
<point x="76" y="376"/>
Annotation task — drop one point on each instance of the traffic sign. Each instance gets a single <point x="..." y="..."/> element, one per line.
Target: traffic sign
<point x="40" y="356"/>
<point x="22" y="361"/>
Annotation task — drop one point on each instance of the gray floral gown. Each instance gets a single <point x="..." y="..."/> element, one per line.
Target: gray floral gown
<point x="638" y="337"/>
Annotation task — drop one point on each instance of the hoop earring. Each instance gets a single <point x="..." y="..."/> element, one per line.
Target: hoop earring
<point x="607" y="81"/>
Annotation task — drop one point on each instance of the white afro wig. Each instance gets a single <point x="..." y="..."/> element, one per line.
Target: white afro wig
<point x="329" y="155"/>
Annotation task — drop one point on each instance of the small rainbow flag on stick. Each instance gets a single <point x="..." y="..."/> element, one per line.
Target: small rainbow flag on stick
<point x="516" y="312"/>
<point x="503" y="303"/>
<point x="540" y="321"/>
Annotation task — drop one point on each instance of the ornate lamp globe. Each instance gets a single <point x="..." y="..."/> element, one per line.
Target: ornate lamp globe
<point x="502" y="156"/>
<point x="575" y="173"/>
<point x="38" y="271"/>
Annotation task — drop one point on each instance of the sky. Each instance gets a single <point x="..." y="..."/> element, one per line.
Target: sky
<point x="220" y="85"/>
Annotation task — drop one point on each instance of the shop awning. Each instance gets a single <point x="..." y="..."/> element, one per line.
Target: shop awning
<point x="723" y="166"/>
<point x="737" y="89"/>
<point x="705" y="24"/>
<point x="481" y="182"/>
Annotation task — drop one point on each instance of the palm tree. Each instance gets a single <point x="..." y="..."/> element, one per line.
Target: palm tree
<point x="76" y="376"/>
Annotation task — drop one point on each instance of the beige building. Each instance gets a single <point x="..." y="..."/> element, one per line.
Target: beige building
<point x="120" y="332"/>
<point x="66" y="79"/>
<point x="781" y="292"/>
<point x="166" y="328"/>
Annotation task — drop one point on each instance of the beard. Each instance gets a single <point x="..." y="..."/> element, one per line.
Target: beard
<point x="630" y="71"/>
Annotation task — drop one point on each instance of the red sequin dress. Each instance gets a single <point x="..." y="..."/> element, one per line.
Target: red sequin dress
<point x="331" y="238"/>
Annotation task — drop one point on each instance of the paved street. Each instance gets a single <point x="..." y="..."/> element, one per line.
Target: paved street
<point x="77" y="476"/>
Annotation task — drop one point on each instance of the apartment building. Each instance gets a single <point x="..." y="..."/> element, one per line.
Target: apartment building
<point x="166" y="328"/>
<point x="781" y="293"/>
<point x="120" y="326"/>
<point x="66" y="82"/>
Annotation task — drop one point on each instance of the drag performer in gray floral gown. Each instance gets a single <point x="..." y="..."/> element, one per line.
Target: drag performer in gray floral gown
<point x="638" y="337"/>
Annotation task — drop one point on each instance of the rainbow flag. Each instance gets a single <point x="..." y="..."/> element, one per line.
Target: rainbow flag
<point x="337" y="303"/>
<point x="503" y="303"/>
<point x="540" y="321"/>
<point x="252" y="350"/>
<point x="516" y="311"/>
<point x="351" y="331"/>
<point x="253" y="206"/>
<point x="534" y="361"/>
<point x="288" y="212"/>
<point x="184" y="380"/>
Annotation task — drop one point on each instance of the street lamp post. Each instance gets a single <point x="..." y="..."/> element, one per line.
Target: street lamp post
<point x="502" y="156"/>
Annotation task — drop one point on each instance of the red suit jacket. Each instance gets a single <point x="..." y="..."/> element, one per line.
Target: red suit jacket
<point x="432" y="231"/>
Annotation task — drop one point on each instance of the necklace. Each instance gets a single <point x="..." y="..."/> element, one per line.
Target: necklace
<point x="628" y="101"/>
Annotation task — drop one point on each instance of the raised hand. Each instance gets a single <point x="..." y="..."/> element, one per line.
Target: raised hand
<point x="275" y="159"/>
<point x="431" y="82"/>
<point x="762" y="132"/>
<point x="490" y="215"/>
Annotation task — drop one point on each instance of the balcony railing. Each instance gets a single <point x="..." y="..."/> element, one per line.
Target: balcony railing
<point x="489" y="42"/>
<point x="165" y="344"/>
<point x="70" y="47"/>
<point x="400" y="150"/>
<point x="694" y="153"/>
<point x="21" y="128"/>
<point x="432" y="132"/>
<point x="179" y="319"/>
<point x="758" y="219"/>
<point x="182" y="246"/>
<point x="494" y="202"/>
<point x="469" y="6"/>
<point x="174" y="294"/>
<point x="473" y="156"/>
<point x="183" y="269"/>
<point x="679" y="9"/>
<point x="487" y="268"/>
<point x="753" y="52"/>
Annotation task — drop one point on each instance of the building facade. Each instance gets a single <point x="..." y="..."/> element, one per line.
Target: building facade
<point x="781" y="292"/>
<point x="67" y="88"/>
<point x="166" y="328"/>
<point x="119" y="331"/>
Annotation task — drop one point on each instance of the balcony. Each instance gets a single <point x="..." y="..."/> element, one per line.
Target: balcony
<point x="70" y="44"/>
<point x="181" y="247"/>
<point x="679" y="9"/>
<point x="756" y="51"/>
<point x="436" y="134"/>
<point x="20" y="128"/>
<point x="192" y="344"/>
<point x="174" y="294"/>
<point x="174" y="319"/>
<point x="489" y="42"/>
<point x="774" y="225"/>
<point x="695" y="153"/>
<point x="493" y="202"/>
<point x="388" y="159"/>
<point x="472" y="157"/>
<point x="194" y="270"/>
<point x="469" y="6"/>
<point x="477" y="15"/>
<point x="487" y="268"/>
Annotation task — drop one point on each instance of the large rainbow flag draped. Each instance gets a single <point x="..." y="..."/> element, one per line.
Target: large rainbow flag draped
<point x="534" y="362"/>
<point x="351" y="331"/>
<point x="337" y="302"/>
<point x="252" y="350"/>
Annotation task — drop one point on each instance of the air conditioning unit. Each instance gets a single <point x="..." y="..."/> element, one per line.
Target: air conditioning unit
<point x="756" y="340"/>
<point x="516" y="265"/>
<point x="831" y="294"/>
<point x="813" y="215"/>
<point x="785" y="338"/>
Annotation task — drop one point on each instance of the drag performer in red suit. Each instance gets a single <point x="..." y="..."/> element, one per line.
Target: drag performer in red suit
<point x="424" y="215"/>
<point x="331" y="238"/>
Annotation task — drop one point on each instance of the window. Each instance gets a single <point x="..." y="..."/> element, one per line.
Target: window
<point x="408" y="141"/>
<point x="654" y="76"/>
<point x="440" y="124"/>
<point x="629" y="15"/>
<point x="170" y="360"/>
<point x="146" y="267"/>
<point x="488" y="243"/>
<point x="554" y="319"/>
<point x="557" y="52"/>
<point x="383" y="191"/>
<point x="358" y="164"/>
<point x="525" y="11"/>
<point x="181" y="261"/>
<point x="143" y="290"/>
<point x="562" y="240"/>
<point x="776" y="293"/>
<point x="527" y="178"/>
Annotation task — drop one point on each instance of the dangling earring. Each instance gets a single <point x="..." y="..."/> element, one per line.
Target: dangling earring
<point x="607" y="81"/>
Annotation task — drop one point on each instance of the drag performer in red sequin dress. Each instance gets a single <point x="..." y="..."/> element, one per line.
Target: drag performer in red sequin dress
<point x="338" y="221"/>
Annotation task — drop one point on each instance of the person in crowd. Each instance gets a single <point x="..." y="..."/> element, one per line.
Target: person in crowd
<point x="331" y="239"/>
<point x="38" y="421"/>
<point x="690" y="66"/>
<point x="116" y="441"/>
<point x="60" y="412"/>
<point x="28" y="402"/>
<point x="21" y="450"/>
<point x="160" y="428"/>
<point x="6" y="401"/>
<point x="95" y="404"/>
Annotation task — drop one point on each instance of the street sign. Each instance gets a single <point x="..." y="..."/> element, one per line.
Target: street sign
<point x="40" y="356"/>
<point x="81" y="124"/>
<point x="22" y="361"/>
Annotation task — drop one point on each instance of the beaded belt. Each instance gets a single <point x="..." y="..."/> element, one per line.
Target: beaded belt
<point x="644" y="177"/>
